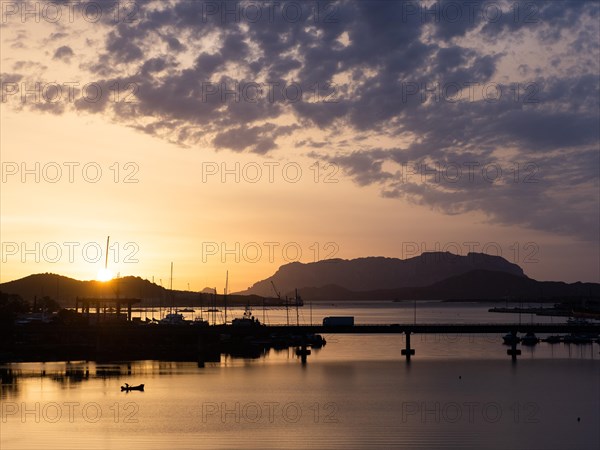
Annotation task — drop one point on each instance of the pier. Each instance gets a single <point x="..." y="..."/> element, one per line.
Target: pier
<point x="445" y="328"/>
<point x="131" y="341"/>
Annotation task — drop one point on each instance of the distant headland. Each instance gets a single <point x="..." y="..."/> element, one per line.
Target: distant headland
<point x="430" y="276"/>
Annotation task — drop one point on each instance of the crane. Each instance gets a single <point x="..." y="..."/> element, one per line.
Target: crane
<point x="275" y="289"/>
<point x="225" y="292"/>
<point x="287" y="314"/>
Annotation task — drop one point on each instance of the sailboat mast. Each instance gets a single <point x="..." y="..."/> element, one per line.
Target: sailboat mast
<point x="215" y="307"/>
<point x="297" y="317"/>
<point x="171" y="289"/>
<point x="201" y="306"/>
<point x="225" y="296"/>
<point x="106" y="257"/>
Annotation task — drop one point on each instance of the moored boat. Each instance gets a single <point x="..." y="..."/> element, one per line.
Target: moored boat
<point x="579" y="339"/>
<point x="511" y="338"/>
<point x="173" y="319"/>
<point x="198" y="321"/>
<point x="530" y="339"/>
<point x="577" y="321"/>
<point x="555" y="339"/>
<point x="246" y="320"/>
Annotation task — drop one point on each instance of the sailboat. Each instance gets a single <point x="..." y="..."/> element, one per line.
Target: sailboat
<point x="173" y="318"/>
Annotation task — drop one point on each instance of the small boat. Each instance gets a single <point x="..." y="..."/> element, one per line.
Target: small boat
<point x="186" y="310"/>
<point x="577" y="321"/>
<point x="510" y="339"/>
<point x="198" y="321"/>
<point x="173" y="319"/>
<point x="247" y="320"/>
<point x="530" y="339"/>
<point x="579" y="339"/>
<point x="555" y="339"/>
<point x="127" y="388"/>
<point x="584" y="339"/>
<point x="315" y="340"/>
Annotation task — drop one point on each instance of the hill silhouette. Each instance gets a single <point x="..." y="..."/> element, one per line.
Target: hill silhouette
<point x="379" y="273"/>
<point x="430" y="276"/>
<point x="65" y="290"/>
<point x="471" y="286"/>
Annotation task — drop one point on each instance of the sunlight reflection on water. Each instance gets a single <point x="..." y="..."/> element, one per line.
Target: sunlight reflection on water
<point x="356" y="392"/>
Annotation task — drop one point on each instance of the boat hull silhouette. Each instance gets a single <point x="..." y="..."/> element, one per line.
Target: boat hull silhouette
<point x="127" y="388"/>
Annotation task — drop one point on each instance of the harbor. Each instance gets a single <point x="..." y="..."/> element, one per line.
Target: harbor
<point x="250" y="389"/>
<point x="178" y="339"/>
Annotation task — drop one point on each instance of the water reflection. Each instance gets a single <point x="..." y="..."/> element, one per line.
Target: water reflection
<point x="67" y="375"/>
<point x="357" y="392"/>
<point x="328" y="403"/>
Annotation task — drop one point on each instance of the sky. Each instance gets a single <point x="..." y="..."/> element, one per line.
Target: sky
<point x="235" y="137"/>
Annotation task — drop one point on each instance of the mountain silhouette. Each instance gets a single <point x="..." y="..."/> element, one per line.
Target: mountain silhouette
<point x="379" y="273"/>
<point x="430" y="276"/>
<point x="65" y="290"/>
<point x="474" y="285"/>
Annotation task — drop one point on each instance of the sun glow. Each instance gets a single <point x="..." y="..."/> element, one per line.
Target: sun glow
<point x="104" y="275"/>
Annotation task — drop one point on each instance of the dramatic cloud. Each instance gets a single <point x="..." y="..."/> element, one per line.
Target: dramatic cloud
<point x="445" y="84"/>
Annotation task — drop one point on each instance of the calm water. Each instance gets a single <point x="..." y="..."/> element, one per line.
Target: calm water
<point x="371" y="313"/>
<point x="357" y="392"/>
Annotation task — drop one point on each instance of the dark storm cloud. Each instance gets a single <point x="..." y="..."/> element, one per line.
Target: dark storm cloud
<point x="402" y="70"/>
<point x="64" y="53"/>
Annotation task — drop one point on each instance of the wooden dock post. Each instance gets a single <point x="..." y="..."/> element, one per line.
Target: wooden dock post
<point x="513" y="351"/>
<point x="407" y="351"/>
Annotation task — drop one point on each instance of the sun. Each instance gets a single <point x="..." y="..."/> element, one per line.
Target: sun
<point x="104" y="275"/>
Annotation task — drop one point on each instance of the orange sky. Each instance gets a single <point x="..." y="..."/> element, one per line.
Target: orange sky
<point x="164" y="201"/>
